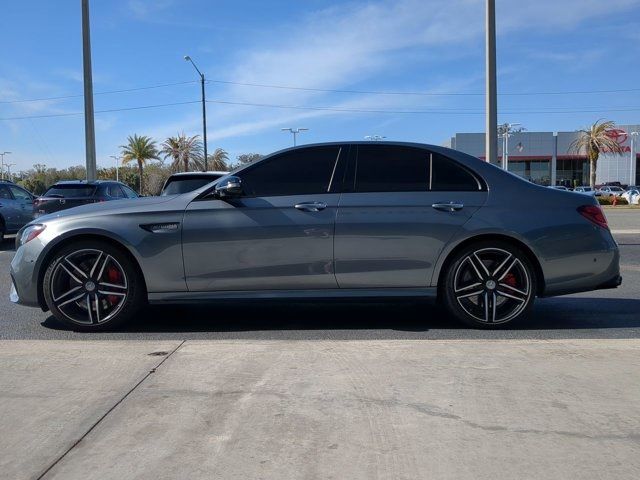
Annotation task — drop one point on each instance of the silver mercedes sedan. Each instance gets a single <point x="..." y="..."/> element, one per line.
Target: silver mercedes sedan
<point x="352" y="219"/>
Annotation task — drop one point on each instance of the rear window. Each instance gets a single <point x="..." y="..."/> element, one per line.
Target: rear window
<point x="70" y="191"/>
<point x="179" y="185"/>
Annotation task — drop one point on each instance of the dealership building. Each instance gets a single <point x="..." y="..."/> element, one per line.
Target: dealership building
<point x="546" y="158"/>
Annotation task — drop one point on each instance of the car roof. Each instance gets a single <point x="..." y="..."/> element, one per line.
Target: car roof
<point x="204" y="174"/>
<point x="85" y="182"/>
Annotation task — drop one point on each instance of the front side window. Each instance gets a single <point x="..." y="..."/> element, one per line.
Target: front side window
<point x="129" y="193"/>
<point x="20" y="194"/>
<point x="114" y="191"/>
<point x="298" y="172"/>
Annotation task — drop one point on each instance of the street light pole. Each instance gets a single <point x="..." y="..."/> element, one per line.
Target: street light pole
<point x="117" y="159"/>
<point x="491" y="123"/>
<point x="505" y="131"/>
<point x="2" y="154"/>
<point x="632" y="165"/>
<point x="89" y="128"/>
<point x="295" y="132"/>
<point x="9" y="165"/>
<point x="204" y="111"/>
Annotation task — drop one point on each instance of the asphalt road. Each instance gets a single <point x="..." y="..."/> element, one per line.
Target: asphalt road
<point x="601" y="314"/>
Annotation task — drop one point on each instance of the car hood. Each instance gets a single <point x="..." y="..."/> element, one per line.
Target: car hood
<point x="135" y="205"/>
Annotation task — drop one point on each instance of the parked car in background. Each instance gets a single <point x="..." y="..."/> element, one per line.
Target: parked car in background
<point x="185" y="182"/>
<point x="632" y="196"/>
<point x="16" y="208"/>
<point x="611" y="191"/>
<point x="345" y="219"/>
<point x="560" y="187"/>
<point x="587" y="191"/>
<point x="73" y="193"/>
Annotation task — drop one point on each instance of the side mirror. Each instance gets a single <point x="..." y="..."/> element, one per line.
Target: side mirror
<point x="229" y="187"/>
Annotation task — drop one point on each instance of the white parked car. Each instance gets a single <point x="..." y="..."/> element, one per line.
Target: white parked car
<point x="632" y="196"/>
<point x="611" y="191"/>
<point x="585" y="190"/>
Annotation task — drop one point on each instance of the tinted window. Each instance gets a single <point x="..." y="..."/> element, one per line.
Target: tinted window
<point x="446" y="175"/>
<point x="184" y="184"/>
<point x="20" y="194"/>
<point x="70" y="191"/>
<point x="129" y="193"/>
<point x="4" y="193"/>
<point x="114" y="191"/>
<point x="298" y="172"/>
<point x="382" y="168"/>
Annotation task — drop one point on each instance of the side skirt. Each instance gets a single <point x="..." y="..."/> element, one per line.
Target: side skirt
<point x="188" y="297"/>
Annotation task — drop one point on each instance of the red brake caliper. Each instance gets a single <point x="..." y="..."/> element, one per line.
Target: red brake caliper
<point x="114" y="277"/>
<point x="510" y="280"/>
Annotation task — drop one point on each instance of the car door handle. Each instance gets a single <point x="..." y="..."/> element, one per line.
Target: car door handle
<point x="310" y="206"/>
<point x="448" y="206"/>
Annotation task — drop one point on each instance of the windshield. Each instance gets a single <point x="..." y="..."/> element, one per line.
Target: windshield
<point x="177" y="186"/>
<point x="70" y="191"/>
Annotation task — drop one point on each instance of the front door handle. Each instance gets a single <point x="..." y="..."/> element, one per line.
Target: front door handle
<point x="448" y="206"/>
<point x="310" y="206"/>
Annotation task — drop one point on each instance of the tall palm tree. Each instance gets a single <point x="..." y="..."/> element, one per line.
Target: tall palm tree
<point x="182" y="150"/>
<point x="141" y="149"/>
<point x="219" y="160"/>
<point x="594" y="140"/>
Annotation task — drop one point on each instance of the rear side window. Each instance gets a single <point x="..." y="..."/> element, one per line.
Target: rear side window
<point x="4" y="193"/>
<point x="448" y="176"/>
<point x="297" y="172"/>
<point x="391" y="169"/>
<point x="70" y="191"/>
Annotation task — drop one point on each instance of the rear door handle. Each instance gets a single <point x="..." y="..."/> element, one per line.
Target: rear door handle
<point x="310" y="206"/>
<point x="448" y="206"/>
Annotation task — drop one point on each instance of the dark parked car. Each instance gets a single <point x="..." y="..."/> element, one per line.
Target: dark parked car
<point x="352" y="219"/>
<point x="185" y="182"/>
<point x="16" y="208"/>
<point x="74" y="193"/>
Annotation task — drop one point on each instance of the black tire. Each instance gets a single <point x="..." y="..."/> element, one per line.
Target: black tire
<point x="105" y="281"/>
<point x="489" y="284"/>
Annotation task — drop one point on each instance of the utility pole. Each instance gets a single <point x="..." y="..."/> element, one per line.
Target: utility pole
<point x="9" y="165"/>
<point x="295" y="132"/>
<point x="2" y="154"/>
<point x="117" y="159"/>
<point x="491" y="124"/>
<point x="204" y="111"/>
<point x="89" y="128"/>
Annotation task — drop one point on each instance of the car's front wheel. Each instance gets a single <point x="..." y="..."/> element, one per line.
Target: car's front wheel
<point x="92" y="286"/>
<point x="489" y="284"/>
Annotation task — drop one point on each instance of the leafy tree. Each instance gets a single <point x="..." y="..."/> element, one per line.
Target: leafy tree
<point x="594" y="140"/>
<point x="140" y="149"/>
<point x="182" y="150"/>
<point x="218" y="160"/>
<point x="246" y="158"/>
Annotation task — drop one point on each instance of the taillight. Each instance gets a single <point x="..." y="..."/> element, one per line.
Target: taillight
<point x="594" y="214"/>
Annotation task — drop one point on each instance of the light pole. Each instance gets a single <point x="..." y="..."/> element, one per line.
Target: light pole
<point x="491" y="121"/>
<point x="505" y="130"/>
<point x="632" y="165"/>
<point x="89" y="128"/>
<point x="295" y="132"/>
<point x="204" y="111"/>
<point x="117" y="159"/>
<point x="9" y="165"/>
<point x="2" y="163"/>
<point x="375" y="138"/>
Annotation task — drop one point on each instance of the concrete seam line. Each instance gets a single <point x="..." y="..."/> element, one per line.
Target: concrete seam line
<point x="113" y="407"/>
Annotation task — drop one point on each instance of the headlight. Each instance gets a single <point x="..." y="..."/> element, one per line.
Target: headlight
<point x="29" y="233"/>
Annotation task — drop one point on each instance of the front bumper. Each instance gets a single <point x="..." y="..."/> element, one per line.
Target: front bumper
<point x="24" y="275"/>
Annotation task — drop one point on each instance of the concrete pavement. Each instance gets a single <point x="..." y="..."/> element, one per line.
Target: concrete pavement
<point x="320" y="409"/>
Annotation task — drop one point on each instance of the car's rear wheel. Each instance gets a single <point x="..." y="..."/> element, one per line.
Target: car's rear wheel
<point x="92" y="286"/>
<point x="489" y="284"/>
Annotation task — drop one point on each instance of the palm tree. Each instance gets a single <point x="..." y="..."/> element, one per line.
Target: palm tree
<point x="141" y="149"/>
<point x="593" y="141"/>
<point x="219" y="160"/>
<point x="182" y="150"/>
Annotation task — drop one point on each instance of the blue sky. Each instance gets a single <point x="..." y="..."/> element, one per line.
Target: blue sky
<point x="424" y="46"/>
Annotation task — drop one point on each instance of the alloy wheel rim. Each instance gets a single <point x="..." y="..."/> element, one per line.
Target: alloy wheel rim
<point x="492" y="285"/>
<point x="89" y="286"/>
